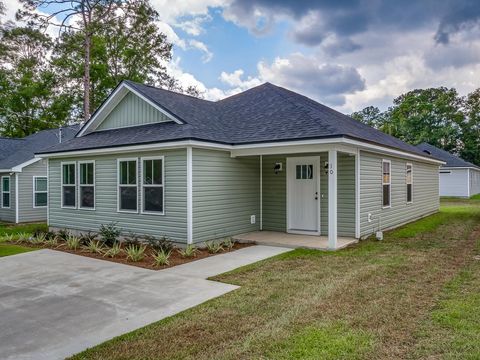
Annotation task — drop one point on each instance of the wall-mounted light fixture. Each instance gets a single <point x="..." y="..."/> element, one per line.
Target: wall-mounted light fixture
<point x="325" y="167"/>
<point x="278" y="167"/>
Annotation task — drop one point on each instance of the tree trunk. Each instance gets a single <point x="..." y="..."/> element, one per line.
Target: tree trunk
<point x="86" y="78"/>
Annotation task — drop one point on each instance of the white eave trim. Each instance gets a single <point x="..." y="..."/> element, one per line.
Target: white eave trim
<point x="20" y="167"/>
<point x="458" y="168"/>
<point x="279" y="147"/>
<point x="112" y="101"/>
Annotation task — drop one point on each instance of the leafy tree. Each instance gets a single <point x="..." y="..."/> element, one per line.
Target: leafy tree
<point x="31" y="96"/>
<point x="471" y="128"/>
<point x="371" y="115"/>
<point x="87" y="12"/>
<point x="431" y="115"/>
<point x="127" y="46"/>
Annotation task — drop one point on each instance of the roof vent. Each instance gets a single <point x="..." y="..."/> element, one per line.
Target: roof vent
<point x="428" y="152"/>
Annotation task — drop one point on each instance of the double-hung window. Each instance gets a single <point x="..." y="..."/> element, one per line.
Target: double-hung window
<point x="127" y="185"/>
<point x="386" y="183"/>
<point x="6" y="192"/>
<point x="409" y="182"/>
<point x="68" y="185"/>
<point x="152" y="185"/>
<point x="86" y="188"/>
<point x="40" y="191"/>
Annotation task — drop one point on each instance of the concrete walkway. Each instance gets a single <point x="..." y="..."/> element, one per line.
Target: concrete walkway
<point x="54" y="304"/>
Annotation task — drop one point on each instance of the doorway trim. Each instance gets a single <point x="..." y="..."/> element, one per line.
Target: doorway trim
<point x="289" y="189"/>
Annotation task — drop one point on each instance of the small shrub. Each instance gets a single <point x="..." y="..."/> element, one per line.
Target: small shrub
<point x="95" y="247"/>
<point x="214" y="247"/>
<point x="8" y="238"/>
<point x="132" y="239"/>
<point x="160" y="244"/>
<point x="72" y="242"/>
<point x="23" y="237"/>
<point x="88" y="237"/>
<point x="189" y="251"/>
<point x="113" y="251"/>
<point x="161" y="257"/>
<point x="109" y="233"/>
<point x="228" y="243"/>
<point x="63" y="234"/>
<point x="52" y="242"/>
<point x="135" y="252"/>
<point x="38" y="239"/>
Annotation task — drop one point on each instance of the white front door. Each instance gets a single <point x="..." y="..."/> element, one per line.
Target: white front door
<point x="303" y="200"/>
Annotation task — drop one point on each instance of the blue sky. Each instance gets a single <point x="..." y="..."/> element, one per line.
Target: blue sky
<point x="346" y="54"/>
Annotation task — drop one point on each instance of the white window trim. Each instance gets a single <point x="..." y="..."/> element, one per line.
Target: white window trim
<point x="389" y="183"/>
<point x="9" y="192"/>
<point x="39" y="192"/>
<point x="126" y="185"/>
<point x="142" y="185"/>
<point x="79" y="194"/>
<point x="75" y="184"/>
<point x="406" y="183"/>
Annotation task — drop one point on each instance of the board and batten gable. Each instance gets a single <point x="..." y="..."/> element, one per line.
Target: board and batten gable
<point x="8" y="214"/>
<point x="225" y="194"/>
<point x="425" y="192"/>
<point x="26" y="211"/>
<point x="275" y="193"/>
<point x="172" y="224"/>
<point x="132" y="111"/>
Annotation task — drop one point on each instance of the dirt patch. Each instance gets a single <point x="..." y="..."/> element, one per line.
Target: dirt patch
<point x="147" y="262"/>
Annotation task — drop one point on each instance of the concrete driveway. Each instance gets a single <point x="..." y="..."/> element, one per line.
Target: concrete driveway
<point x="55" y="304"/>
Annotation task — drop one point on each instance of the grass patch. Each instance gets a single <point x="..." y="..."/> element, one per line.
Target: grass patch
<point x="7" y="249"/>
<point x="369" y="301"/>
<point x="7" y="229"/>
<point x="475" y="197"/>
<point x="333" y="341"/>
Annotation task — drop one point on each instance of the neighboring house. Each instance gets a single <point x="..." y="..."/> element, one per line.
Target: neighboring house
<point x="23" y="177"/>
<point x="458" y="177"/>
<point x="161" y="163"/>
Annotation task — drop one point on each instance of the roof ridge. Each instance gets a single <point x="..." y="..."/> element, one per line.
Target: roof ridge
<point x="170" y="91"/>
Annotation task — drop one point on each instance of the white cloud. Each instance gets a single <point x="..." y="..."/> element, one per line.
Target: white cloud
<point x="235" y="80"/>
<point x="207" y="54"/>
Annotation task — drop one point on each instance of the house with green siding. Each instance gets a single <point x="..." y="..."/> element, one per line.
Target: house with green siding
<point x="23" y="177"/>
<point x="267" y="159"/>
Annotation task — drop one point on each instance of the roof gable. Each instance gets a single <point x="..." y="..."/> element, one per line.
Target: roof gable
<point x="127" y="107"/>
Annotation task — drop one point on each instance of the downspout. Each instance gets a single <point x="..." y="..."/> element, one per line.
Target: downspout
<point x="16" y="198"/>
<point x="189" y="196"/>
<point x="261" y="192"/>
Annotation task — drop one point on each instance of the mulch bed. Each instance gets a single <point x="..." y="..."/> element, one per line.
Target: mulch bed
<point x="148" y="261"/>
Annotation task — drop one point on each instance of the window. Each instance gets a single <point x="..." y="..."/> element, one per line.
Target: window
<point x="86" y="184"/>
<point x="409" y="182"/>
<point x="127" y="185"/>
<point x="5" y="191"/>
<point x="68" y="185"/>
<point x="386" y="183"/>
<point x="304" y="172"/>
<point x="152" y="185"/>
<point x="40" y="192"/>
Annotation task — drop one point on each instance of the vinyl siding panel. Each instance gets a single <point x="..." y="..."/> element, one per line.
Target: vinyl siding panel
<point x="8" y="215"/>
<point x="226" y="192"/>
<point x="172" y="224"/>
<point x="454" y="182"/>
<point x="132" y="111"/>
<point x="27" y="213"/>
<point x="474" y="182"/>
<point x="275" y="191"/>
<point x="425" y="192"/>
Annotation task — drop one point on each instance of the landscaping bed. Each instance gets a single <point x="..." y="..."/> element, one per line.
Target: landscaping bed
<point x="145" y="251"/>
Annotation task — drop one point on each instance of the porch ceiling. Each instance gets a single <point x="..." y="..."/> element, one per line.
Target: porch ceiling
<point x="293" y="240"/>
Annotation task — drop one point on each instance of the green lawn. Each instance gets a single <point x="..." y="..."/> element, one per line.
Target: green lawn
<point x="412" y="296"/>
<point x="7" y="229"/>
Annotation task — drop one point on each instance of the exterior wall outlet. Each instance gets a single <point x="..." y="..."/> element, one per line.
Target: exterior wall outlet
<point x="252" y="219"/>
<point x="369" y="217"/>
<point x="379" y="235"/>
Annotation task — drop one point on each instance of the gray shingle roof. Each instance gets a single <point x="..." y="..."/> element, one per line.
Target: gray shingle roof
<point x="262" y="114"/>
<point x="450" y="159"/>
<point x="15" y="151"/>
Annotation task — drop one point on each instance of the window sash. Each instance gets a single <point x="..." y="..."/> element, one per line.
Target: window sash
<point x="153" y="179"/>
<point x="409" y="182"/>
<point x="69" y="185"/>
<point x="86" y="187"/>
<point x="6" y="193"/>
<point x="39" y="194"/>
<point x="386" y="183"/>
<point x="127" y="170"/>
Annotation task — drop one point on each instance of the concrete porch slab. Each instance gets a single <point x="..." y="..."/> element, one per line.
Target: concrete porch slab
<point x="274" y="238"/>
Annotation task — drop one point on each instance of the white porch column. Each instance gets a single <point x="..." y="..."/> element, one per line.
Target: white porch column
<point x="332" y="199"/>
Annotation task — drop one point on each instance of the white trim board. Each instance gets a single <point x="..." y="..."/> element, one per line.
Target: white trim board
<point x="189" y="195"/>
